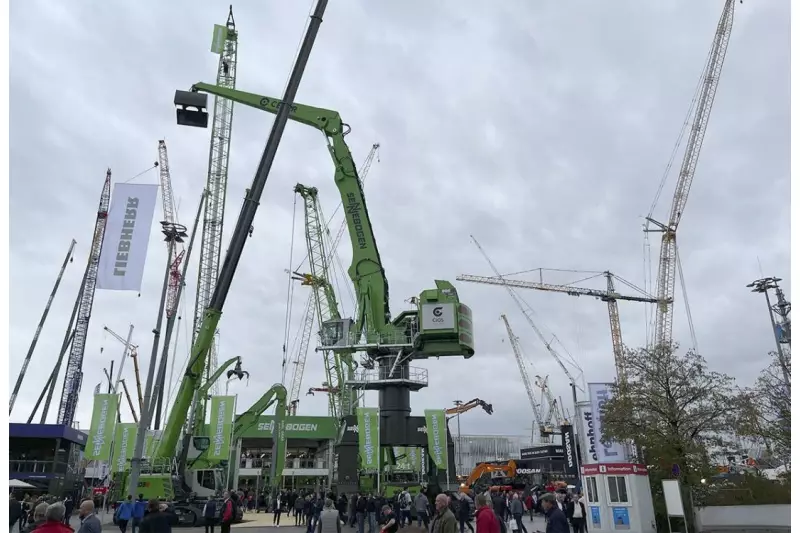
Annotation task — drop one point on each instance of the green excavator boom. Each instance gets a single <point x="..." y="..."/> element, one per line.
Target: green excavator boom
<point x="444" y="325"/>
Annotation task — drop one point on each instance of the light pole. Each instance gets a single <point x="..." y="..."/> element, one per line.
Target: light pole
<point x="763" y="285"/>
<point x="458" y="449"/>
<point x="172" y="233"/>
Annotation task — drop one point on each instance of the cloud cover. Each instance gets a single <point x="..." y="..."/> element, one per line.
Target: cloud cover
<point x="541" y="130"/>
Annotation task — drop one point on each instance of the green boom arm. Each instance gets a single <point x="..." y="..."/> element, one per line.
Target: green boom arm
<point x="276" y="395"/>
<point x="188" y="386"/>
<point x="366" y="270"/>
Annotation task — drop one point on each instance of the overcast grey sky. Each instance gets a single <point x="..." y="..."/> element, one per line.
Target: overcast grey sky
<point x="542" y="128"/>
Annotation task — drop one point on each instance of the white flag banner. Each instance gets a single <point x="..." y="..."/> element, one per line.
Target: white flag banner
<point x="612" y="452"/>
<point x="126" y="238"/>
<point x="585" y="421"/>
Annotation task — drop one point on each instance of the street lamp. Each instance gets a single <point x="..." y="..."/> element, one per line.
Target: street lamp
<point x="458" y="449"/>
<point x="763" y="286"/>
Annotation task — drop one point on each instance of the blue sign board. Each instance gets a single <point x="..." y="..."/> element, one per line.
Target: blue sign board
<point x="621" y="518"/>
<point x="595" y="516"/>
<point x="46" y="431"/>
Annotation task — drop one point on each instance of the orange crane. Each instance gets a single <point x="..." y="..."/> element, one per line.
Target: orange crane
<point x="702" y="103"/>
<point x="468" y="406"/>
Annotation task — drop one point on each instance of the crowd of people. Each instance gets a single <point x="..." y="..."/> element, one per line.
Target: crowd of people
<point x="47" y="514"/>
<point x="491" y="512"/>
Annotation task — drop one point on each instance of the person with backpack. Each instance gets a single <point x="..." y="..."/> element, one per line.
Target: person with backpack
<point x="228" y="512"/>
<point x="210" y="515"/>
<point x="404" y="501"/>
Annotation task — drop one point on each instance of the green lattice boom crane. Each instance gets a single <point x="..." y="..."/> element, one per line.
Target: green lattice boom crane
<point x="339" y="365"/>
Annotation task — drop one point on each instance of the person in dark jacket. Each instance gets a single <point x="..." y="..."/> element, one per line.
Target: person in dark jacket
<point x="464" y="513"/>
<point x="556" y="520"/>
<point x="576" y="513"/>
<point x="15" y="511"/>
<point x="499" y="505"/>
<point x="156" y="520"/>
<point x="210" y="515"/>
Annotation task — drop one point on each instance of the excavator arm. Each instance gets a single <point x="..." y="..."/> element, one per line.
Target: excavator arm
<point x="444" y="327"/>
<point x="202" y="392"/>
<point x="468" y="406"/>
<point x="366" y="270"/>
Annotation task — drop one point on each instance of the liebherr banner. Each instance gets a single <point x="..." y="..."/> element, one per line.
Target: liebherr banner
<point x="369" y="438"/>
<point x="222" y="409"/>
<point x="436" y="423"/>
<point x="124" y="444"/>
<point x="127" y="234"/>
<point x="101" y="432"/>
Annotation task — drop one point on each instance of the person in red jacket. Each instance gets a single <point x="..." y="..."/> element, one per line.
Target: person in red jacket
<point x="54" y="520"/>
<point x="486" y="521"/>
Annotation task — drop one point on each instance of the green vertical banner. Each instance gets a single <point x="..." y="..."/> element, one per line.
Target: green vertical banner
<point x="218" y="40"/>
<point x="124" y="444"/>
<point x="413" y="458"/>
<point x="369" y="441"/>
<point x="101" y="432"/>
<point x="436" y="423"/>
<point x="222" y="409"/>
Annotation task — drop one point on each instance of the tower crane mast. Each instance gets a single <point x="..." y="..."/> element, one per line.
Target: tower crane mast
<point x="216" y="186"/>
<point x="170" y="216"/>
<point x="339" y="366"/>
<point x="299" y="361"/>
<point x="523" y="372"/>
<point x="74" y="372"/>
<point x="668" y="256"/>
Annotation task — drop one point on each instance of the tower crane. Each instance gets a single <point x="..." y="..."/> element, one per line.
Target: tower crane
<point x="668" y="256"/>
<point x="176" y="273"/>
<point x="339" y="365"/>
<point x="170" y="216"/>
<point x="523" y="372"/>
<point x="321" y="259"/>
<point x="610" y="296"/>
<point x="134" y="355"/>
<point x="553" y="418"/>
<point x="526" y="312"/>
<point x="74" y="374"/>
<point x="216" y="187"/>
<point x="299" y="359"/>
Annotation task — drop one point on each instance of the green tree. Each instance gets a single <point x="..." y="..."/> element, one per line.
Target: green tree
<point x="766" y="410"/>
<point x="672" y="406"/>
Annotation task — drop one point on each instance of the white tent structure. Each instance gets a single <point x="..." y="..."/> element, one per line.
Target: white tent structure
<point x="19" y="484"/>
